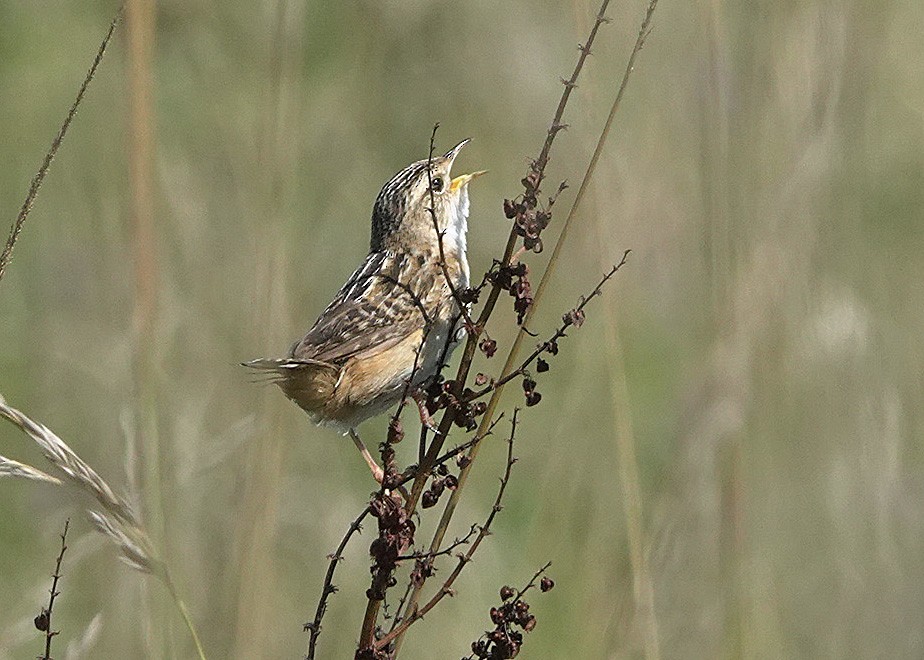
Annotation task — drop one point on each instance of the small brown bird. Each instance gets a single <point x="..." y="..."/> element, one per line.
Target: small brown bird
<point x="396" y="309"/>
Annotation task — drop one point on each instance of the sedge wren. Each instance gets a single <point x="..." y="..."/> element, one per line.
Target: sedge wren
<point x="393" y="322"/>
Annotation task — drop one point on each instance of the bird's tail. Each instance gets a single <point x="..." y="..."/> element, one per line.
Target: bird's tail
<point x="282" y="365"/>
<point x="310" y="383"/>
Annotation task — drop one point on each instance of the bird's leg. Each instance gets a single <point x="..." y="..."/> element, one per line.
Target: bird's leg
<point x="377" y="473"/>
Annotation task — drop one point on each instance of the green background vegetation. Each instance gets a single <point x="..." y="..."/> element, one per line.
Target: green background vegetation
<point x="762" y="349"/>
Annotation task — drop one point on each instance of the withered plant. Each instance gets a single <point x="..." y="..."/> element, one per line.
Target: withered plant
<point x="468" y="403"/>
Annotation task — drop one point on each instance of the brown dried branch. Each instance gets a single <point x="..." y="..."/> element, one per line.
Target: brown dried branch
<point x="446" y="589"/>
<point x="528" y="221"/>
<point x="573" y="318"/>
<point x="313" y="628"/>
<point x="43" y="620"/>
<point x="531" y="191"/>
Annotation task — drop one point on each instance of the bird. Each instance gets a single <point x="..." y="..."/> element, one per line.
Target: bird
<point x="395" y="321"/>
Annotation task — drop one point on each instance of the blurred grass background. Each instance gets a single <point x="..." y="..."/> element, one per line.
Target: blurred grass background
<point x="762" y="348"/>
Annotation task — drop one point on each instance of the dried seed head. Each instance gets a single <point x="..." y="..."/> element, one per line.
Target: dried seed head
<point x="395" y="431"/>
<point x="497" y="616"/>
<point x="488" y="347"/>
<point x="469" y="296"/>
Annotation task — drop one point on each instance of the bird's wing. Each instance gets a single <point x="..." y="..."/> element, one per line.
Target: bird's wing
<point x="372" y="311"/>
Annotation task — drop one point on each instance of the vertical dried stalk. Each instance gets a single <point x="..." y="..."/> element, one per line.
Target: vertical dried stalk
<point x="140" y="23"/>
<point x="643" y="588"/>
<point x="258" y="523"/>
<point x="140" y="19"/>
<point x="582" y="190"/>
<point x="448" y="511"/>
<point x="43" y="620"/>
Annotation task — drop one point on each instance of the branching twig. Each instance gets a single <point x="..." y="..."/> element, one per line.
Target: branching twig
<point x="53" y="150"/>
<point x="483" y="531"/>
<point x="452" y="453"/>
<point x="43" y="620"/>
<point x="644" y="31"/>
<point x="531" y="182"/>
<point x="313" y="628"/>
<point x="550" y="344"/>
<point x="429" y="556"/>
<point x="397" y="617"/>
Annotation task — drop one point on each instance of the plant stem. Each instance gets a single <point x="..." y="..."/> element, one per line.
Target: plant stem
<point x="53" y="593"/>
<point x="39" y="177"/>
<point x="181" y="606"/>
<point x="450" y="507"/>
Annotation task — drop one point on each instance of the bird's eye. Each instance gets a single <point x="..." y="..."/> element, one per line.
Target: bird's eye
<point x="437" y="184"/>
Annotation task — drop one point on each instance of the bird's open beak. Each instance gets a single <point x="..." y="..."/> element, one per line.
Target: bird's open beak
<point x="462" y="180"/>
<point x="452" y="153"/>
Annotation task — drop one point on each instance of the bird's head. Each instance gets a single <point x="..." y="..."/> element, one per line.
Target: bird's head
<point x="401" y="219"/>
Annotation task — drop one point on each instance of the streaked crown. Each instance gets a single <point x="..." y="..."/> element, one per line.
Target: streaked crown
<point x="400" y="217"/>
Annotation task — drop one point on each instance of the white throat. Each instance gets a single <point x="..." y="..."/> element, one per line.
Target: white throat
<point x="454" y="240"/>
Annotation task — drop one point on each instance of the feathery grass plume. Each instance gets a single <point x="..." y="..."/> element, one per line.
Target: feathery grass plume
<point x="132" y="542"/>
<point x="11" y="468"/>
<point x="75" y="468"/>
<point x="118" y="522"/>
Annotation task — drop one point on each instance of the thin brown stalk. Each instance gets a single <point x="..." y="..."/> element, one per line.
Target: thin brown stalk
<point x="643" y="33"/>
<point x="451" y="504"/>
<point x="444" y="266"/>
<point x="39" y="177"/>
<point x="43" y="620"/>
<point x="313" y="628"/>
